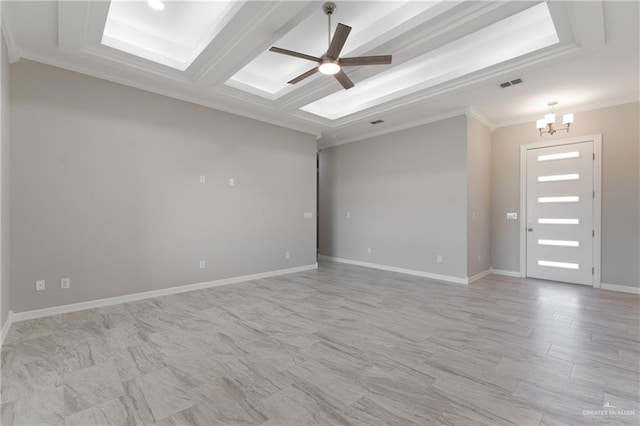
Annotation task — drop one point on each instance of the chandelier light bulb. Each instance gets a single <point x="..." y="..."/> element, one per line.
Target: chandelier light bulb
<point x="567" y="119"/>
<point x="550" y="118"/>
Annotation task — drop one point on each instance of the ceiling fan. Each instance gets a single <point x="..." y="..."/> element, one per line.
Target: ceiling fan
<point x="330" y="63"/>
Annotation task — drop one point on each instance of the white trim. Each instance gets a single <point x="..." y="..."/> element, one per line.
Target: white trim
<point x="506" y="273"/>
<point x="597" y="212"/>
<point x="213" y="104"/>
<point x="531" y="119"/>
<point x="6" y="326"/>
<point x="63" y="309"/>
<point x="620" y="288"/>
<point x="597" y="201"/>
<point x="472" y="112"/>
<point x="523" y="209"/>
<point x="477" y="276"/>
<point x="437" y="277"/>
<point x="481" y="76"/>
<point x="405" y="126"/>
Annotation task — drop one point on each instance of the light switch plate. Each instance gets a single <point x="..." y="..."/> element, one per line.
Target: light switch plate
<point x="512" y="216"/>
<point x="308" y="215"/>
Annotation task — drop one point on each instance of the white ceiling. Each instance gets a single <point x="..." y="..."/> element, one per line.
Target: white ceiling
<point x="173" y="36"/>
<point x="512" y="37"/>
<point x="448" y="57"/>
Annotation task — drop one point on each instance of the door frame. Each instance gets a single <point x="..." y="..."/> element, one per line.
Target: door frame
<point x="597" y="200"/>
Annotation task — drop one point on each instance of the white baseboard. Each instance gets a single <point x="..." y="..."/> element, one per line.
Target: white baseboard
<point x="477" y="276"/>
<point x="506" y="273"/>
<point x="5" y="327"/>
<point x="620" y="288"/>
<point x="438" y="277"/>
<point x="63" y="309"/>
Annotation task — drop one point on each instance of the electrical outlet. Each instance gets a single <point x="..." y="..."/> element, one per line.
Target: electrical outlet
<point x="287" y="255"/>
<point x="512" y="216"/>
<point x="369" y="250"/>
<point x="40" y="285"/>
<point x="202" y="264"/>
<point x="348" y="215"/>
<point x="65" y="283"/>
<point x="232" y="182"/>
<point x="308" y="215"/>
<point x="203" y="179"/>
<point x="439" y="258"/>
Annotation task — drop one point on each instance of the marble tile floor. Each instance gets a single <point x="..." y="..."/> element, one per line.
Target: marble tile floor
<point x="340" y="345"/>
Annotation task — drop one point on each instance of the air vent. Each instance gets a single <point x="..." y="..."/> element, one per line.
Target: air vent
<point x="377" y="122"/>
<point x="510" y="83"/>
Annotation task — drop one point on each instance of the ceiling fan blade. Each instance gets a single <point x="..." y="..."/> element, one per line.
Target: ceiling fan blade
<point x="366" y="60"/>
<point x="294" y="54"/>
<point x="344" y="80"/>
<point x="338" y="41"/>
<point x="301" y="77"/>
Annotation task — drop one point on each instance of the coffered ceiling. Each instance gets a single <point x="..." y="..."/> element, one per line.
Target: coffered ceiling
<point x="449" y="57"/>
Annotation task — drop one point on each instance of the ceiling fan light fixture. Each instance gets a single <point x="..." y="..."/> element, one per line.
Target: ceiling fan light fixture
<point x="330" y="63"/>
<point x="329" y="67"/>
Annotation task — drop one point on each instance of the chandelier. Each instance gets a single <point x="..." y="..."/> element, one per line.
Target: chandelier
<point x="549" y="121"/>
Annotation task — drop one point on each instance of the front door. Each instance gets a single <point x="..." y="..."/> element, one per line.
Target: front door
<point x="559" y="215"/>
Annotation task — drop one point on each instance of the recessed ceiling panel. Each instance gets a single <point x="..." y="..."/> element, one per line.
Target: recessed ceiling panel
<point x="515" y="36"/>
<point x="173" y="36"/>
<point x="268" y="73"/>
<point x="70" y="33"/>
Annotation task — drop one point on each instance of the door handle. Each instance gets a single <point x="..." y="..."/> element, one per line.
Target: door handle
<point x="530" y="229"/>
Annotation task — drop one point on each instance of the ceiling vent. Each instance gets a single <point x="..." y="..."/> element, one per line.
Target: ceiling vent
<point x="377" y="122"/>
<point x="510" y="83"/>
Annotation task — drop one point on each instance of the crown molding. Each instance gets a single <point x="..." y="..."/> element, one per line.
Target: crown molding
<point x="169" y="93"/>
<point x="452" y="86"/>
<point x="80" y="26"/>
<point x="472" y="112"/>
<point x="405" y="126"/>
<point x="580" y="108"/>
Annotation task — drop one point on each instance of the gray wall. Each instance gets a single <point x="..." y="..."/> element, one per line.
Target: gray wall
<point x="619" y="126"/>
<point x="478" y="197"/>
<point x="4" y="182"/>
<point x="407" y="196"/>
<point x="105" y="190"/>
